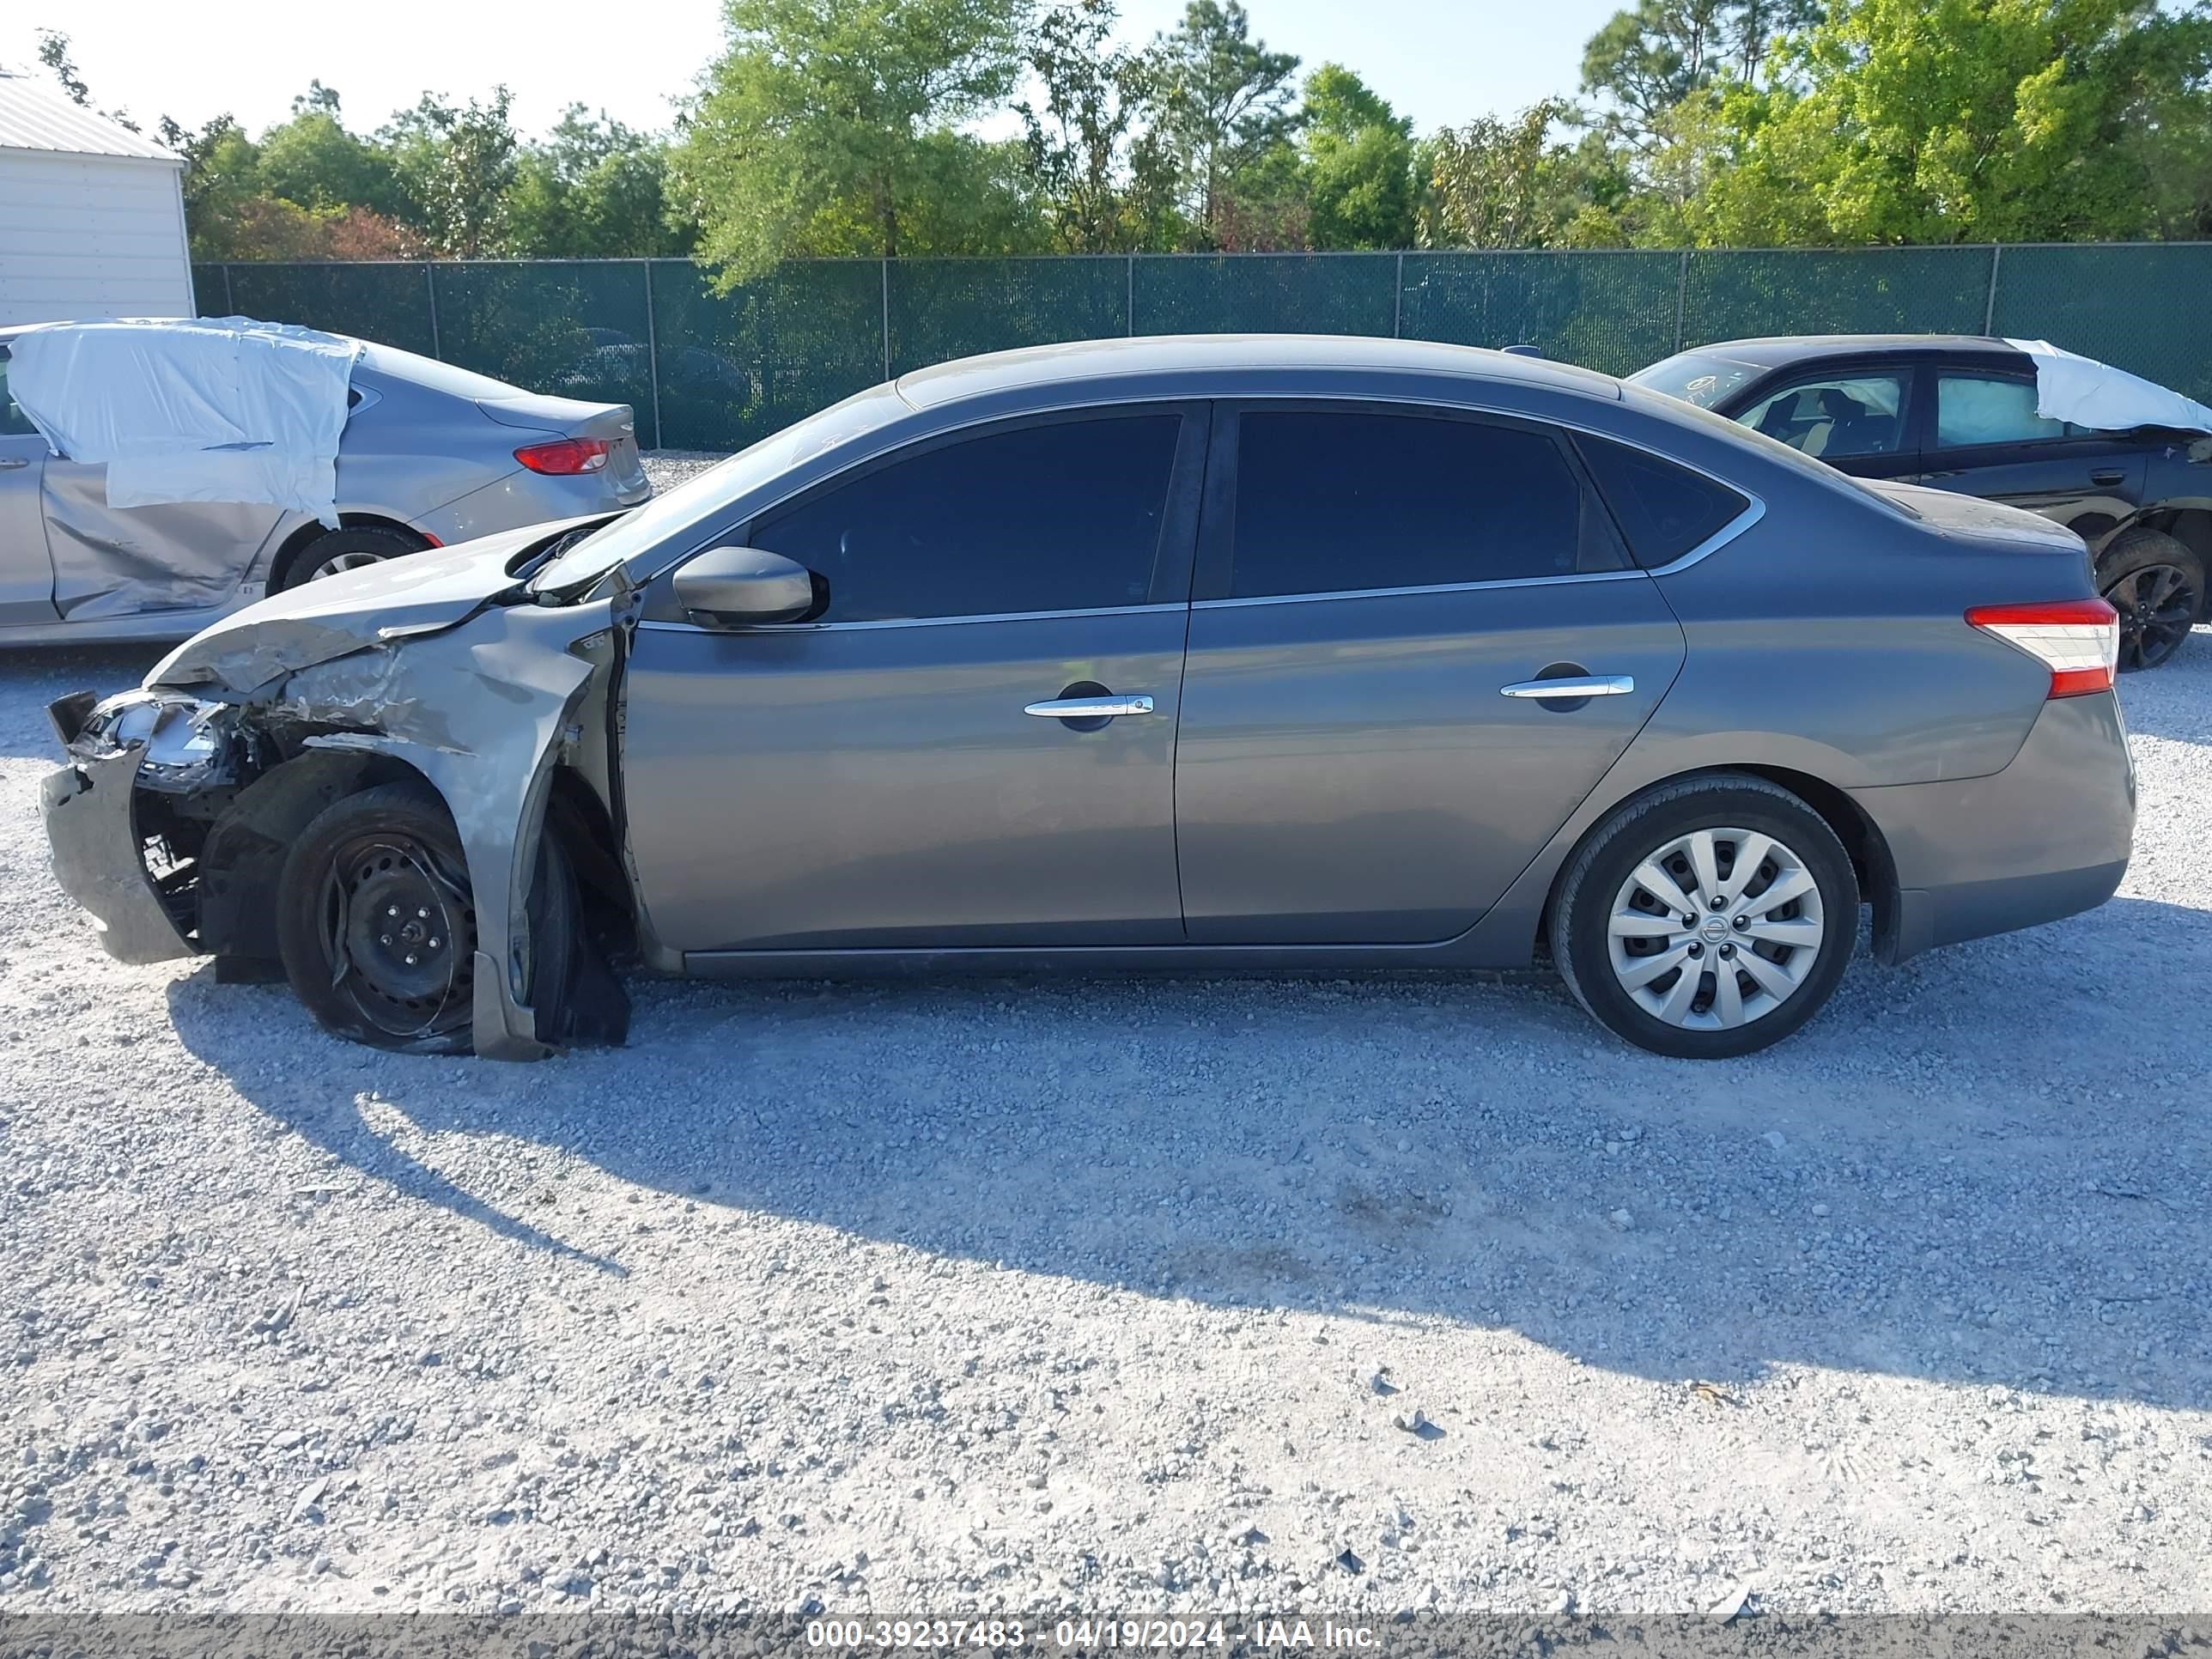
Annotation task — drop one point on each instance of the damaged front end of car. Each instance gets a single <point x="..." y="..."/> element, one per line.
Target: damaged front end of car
<point x="172" y="822"/>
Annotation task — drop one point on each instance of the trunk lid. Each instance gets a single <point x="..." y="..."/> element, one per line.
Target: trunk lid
<point x="537" y="413"/>
<point x="1949" y="513"/>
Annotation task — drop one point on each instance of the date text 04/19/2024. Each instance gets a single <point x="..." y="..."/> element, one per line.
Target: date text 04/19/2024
<point x="1080" y="1635"/>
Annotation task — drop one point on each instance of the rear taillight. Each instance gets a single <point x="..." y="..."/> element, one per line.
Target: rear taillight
<point x="2078" y="639"/>
<point x="565" y="456"/>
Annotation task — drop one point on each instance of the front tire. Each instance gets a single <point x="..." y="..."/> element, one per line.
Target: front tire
<point x="1706" y="919"/>
<point x="376" y="923"/>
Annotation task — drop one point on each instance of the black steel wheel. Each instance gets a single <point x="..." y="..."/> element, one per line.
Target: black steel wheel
<point x="377" y="925"/>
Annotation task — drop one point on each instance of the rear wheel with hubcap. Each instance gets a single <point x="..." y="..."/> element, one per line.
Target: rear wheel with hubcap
<point x="336" y="551"/>
<point x="1707" y="918"/>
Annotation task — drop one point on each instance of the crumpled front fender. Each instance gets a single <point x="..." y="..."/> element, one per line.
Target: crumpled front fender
<point x="483" y="712"/>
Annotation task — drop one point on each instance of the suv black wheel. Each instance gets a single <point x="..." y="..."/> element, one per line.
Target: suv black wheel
<point x="2157" y="585"/>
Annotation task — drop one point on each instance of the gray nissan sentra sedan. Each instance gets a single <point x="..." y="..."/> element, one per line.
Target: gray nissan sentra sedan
<point x="1202" y="654"/>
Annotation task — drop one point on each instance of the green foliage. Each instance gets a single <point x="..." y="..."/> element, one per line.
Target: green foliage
<point x="313" y="161"/>
<point x="594" y="189"/>
<point x="826" y="125"/>
<point x="857" y="127"/>
<point x="1360" y="160"/>
<point x="54" y="53"/>
<point x="456" y="163"/>
<point x="1084" y="137"/>
<point x="1487" y="183"/>
<point x="1227" y="114"/>
<point x="1933" y="121"/>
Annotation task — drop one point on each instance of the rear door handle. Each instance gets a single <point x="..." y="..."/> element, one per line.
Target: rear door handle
<point x="1589" y="685"/>
<point x="2108" y="476"/>
<point x="1089" y="709"/>
<point x="10" y="463"/>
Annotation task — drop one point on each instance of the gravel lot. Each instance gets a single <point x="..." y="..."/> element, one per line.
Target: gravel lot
<point x="1136" y="1297"/>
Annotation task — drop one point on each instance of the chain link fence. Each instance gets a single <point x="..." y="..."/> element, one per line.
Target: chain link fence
<point x="709" y="371"/>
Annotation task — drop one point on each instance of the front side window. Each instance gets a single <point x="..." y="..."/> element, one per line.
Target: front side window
<point x="1340" y="501"/>
<point x="1062" y="516"/>
<point x="1989" y="409"/>
<point x="1846" y="416"/>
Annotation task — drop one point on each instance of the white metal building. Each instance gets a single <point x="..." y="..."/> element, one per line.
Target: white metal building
<point x="92" y="216"/>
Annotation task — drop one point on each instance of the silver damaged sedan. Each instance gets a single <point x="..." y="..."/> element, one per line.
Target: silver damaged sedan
<point x="431" y="455"/>
<point x="1208" y="654"/>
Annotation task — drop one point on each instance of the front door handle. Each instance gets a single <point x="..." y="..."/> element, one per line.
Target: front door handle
<point x="1089" y="709"/>
<point x="2108" y="476"/>
<point x="1589" y="685"/>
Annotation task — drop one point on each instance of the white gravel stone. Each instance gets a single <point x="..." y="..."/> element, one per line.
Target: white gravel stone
<point x="928" y="1239"/>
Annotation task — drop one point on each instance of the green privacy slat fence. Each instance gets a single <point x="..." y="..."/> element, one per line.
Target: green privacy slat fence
<point x="709" y="371"/>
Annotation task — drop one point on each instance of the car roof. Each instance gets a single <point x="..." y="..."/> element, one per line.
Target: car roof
<point x="1081" y="360"/>
<point x="1780" y="350"/>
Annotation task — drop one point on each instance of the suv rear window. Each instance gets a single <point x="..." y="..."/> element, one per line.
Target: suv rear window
<point x="1663" y="510"/>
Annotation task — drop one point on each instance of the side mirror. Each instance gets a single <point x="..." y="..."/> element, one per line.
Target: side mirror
<point x="744" y="584"/>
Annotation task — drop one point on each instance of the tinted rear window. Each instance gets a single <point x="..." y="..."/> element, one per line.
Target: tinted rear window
<point x="429" y="372"/>
<point x="1336" y="501"/>
<point x="1664" y="510"/>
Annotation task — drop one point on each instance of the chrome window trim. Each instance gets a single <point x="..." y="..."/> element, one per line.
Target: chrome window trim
<point x="917" y="621"/>
<point x="1436" y="587"/>
<point x="1721" y="537"/>
<point x="1712" y="543"/>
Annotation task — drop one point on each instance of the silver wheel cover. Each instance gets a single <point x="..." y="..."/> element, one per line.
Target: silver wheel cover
<point x="1714" y="929"/>
<point x="338" y="561"/>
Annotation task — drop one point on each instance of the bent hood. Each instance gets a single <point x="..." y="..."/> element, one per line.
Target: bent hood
<point x="398" y="598"/>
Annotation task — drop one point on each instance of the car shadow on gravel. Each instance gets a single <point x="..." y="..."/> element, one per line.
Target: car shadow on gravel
<point x="1989" y="1166"/>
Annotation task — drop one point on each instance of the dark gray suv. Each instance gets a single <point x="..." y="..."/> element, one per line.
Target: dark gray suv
<point x="1208" y="654"/>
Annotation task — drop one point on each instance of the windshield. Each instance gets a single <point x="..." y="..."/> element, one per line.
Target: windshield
<point x="1695" y="377"/>
<point x="704" y="494"/>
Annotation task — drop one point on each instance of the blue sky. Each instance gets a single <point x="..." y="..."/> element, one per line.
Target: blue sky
<point x="1439" y="60"/>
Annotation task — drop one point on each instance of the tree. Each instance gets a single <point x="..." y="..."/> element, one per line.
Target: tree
<point x="1083" y="142"/>
<point x="1650" y="58"/>
<point x="593" y="189"/>
<point x="455" y="163"/>
<point x="1359" y="156"/>
<point x="1933" y="121"/>
<point x="1488" y="183"/>
<point x="313" y="161"/>
<point x="54" y="53"/>
<point x="1226" y="104"/>
<point x="825" y="124"/>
